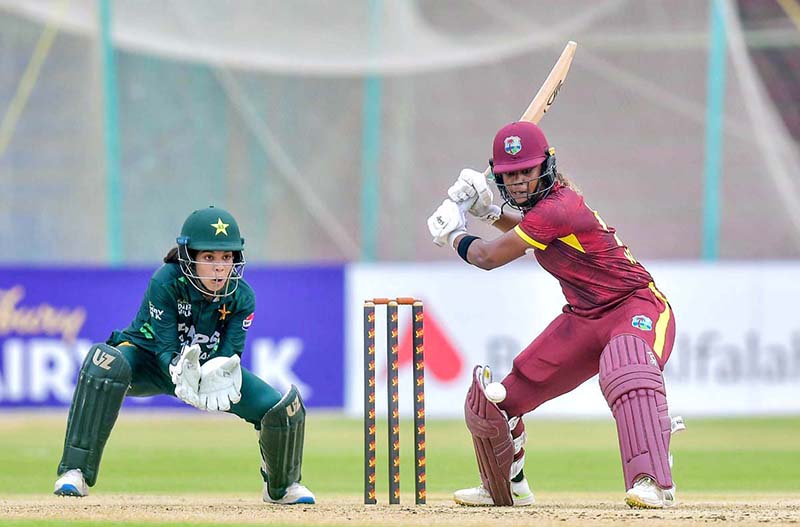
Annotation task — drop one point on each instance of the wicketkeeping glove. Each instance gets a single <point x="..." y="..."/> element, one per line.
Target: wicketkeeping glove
<point x="472" y="185"/>
<point x="185" y="374"/>
<point x="220" y="383"/>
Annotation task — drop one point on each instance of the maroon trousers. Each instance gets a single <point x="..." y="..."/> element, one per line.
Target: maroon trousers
<point x="567" y="352"/>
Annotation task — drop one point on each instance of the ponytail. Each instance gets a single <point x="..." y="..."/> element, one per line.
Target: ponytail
<point x="172" y="255"/>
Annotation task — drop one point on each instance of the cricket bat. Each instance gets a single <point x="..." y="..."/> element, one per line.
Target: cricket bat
<point x="544" y="98"/>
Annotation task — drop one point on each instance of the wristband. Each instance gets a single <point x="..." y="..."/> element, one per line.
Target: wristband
<point x="451" y="238"/>
<point x="463" y="246"/>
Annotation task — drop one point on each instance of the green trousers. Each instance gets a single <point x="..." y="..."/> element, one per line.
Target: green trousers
<point x="148" y="379"/>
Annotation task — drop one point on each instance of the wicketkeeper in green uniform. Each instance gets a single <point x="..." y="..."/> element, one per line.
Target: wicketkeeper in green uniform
<point x="186" y="341"/>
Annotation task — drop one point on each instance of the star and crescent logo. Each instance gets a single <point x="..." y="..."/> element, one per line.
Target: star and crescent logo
<point x="223" y="312"/>
<point x="220" y="227"/>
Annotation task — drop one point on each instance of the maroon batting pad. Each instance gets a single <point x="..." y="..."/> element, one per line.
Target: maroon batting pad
<point x="633" y="386"/>
<point x="492" y="440"/>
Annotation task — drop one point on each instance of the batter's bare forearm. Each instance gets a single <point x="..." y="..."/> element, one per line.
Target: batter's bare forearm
<point x="480" y="255"/>
<point x="507" y="221"/>
<point x="489" y="254"/>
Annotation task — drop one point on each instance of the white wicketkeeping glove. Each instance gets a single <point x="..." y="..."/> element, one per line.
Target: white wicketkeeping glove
<point x="446" y="223"/>
<point x="472" y="185"/>
<point x="220" y="383"/>
<point x="185" y="375"/>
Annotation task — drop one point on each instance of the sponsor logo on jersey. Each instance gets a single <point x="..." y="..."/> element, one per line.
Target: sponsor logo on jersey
<point x="642" y="322"/>
<point x="154" y="312"/>
<point x="188" y="336"/>
<point x="246" y="323"/>
<point x="512" y="145"/>
<point x="184" y="308"/>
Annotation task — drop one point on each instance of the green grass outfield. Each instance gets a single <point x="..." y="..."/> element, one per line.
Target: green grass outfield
<point x="171" y="453"/>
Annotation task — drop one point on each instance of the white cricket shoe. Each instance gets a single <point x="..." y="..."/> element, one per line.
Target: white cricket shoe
<point x="71" y="483"/>
<point x="646" y="494"/>
<point x="480" y="497"/>
<point x="295" y="494"/>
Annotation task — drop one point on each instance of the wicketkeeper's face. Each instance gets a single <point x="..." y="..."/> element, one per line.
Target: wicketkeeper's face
<point x="213" y="268"/>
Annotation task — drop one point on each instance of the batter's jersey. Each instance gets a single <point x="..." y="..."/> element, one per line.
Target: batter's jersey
<point x="174" y="314"/>
<point x="570" y="240"/>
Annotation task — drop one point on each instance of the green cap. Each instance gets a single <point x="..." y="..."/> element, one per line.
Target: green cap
<point x="211" y="229"/>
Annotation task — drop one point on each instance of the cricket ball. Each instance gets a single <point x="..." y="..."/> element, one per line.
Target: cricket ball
<point x="495" y="392"/>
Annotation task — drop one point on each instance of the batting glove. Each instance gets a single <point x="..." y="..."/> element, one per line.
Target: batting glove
<point x="446" y="223"/>
<point x="472" y="185"/>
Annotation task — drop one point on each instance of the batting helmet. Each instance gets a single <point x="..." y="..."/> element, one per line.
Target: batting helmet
<point x="210" y="229"/>
<point x="522" y="145"/>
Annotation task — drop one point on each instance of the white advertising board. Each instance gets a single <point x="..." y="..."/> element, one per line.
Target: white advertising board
<point x="737" y="350"/>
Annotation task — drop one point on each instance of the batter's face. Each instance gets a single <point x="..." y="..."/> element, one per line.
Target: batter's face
<point x="522" y="183"/>
<point x="213" y="268"/>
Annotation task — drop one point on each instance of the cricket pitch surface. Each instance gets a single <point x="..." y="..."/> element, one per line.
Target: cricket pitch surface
<point x="550" y="509"/>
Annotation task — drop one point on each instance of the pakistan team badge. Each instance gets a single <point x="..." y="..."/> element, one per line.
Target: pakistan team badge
<point x="220" y="227"/>
<point x="642" y="322"/>
<point x="512" y="145"/>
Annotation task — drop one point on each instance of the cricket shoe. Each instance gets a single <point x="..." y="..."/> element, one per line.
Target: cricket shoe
<point x="480" y="497"/>
<point x="645" y="494"/>
<point x="71" y="483"/>
<point x="295" y="495"/>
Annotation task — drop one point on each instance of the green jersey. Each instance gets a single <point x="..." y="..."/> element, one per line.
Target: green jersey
<point x="174" y="314"/>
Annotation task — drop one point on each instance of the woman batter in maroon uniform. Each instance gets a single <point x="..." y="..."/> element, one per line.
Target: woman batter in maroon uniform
<point x="616" y="321"/>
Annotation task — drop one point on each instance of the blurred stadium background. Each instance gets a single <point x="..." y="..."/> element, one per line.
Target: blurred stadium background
<point x="332" y="130"/>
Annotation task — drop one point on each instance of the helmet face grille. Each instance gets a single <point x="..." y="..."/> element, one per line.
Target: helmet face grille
<point x="545" y="183"/>
<point x="188" y="266"/>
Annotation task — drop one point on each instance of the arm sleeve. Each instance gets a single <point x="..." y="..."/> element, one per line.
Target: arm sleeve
<point x="164" y="322"/>
<point x="232" y="341"/>
<point x="543" y="224"/>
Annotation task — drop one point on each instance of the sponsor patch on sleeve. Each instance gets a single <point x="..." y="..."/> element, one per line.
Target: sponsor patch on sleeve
<point x="246" y="323"/>
<point x="155" y="312"/>
<point x="642" y="322"/>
